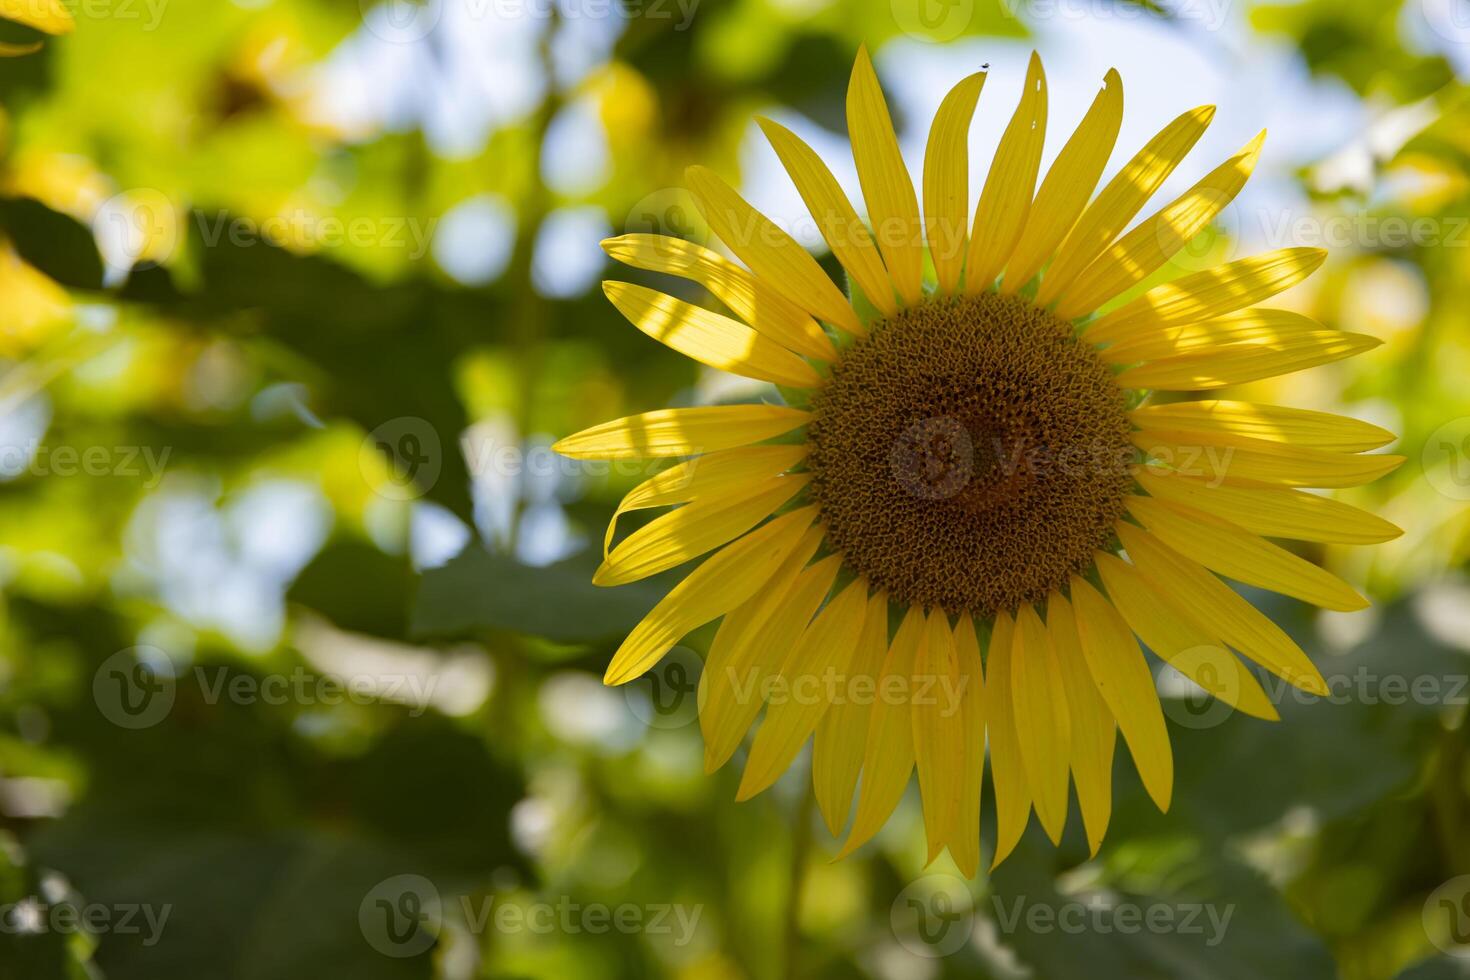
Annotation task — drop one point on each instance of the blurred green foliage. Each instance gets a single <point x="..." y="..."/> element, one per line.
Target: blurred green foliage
<point x="289" y="415"/>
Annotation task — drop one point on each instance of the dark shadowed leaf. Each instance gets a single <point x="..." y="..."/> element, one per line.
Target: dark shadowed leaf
<point x="480" y="591"/>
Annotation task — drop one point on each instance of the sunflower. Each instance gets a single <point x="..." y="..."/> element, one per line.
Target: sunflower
<point x="969" y="508"/>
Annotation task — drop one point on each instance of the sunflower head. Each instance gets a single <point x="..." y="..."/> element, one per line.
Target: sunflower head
<point x="934" y="454"/>
<point x="949" y="543"/>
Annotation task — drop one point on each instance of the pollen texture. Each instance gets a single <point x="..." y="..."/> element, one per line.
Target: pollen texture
<point x="970" y="454"/>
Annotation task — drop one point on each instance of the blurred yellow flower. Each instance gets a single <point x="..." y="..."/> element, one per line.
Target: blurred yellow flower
<point x="47" y="16"/>
<point x="32" y="306"/>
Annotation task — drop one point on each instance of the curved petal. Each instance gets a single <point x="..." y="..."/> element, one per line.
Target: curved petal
<point x="1007" y="771"/>
<point x="805" y="692"/>
<point x="711" y="474"/>
<point x="1145" y="249"/>
<point x="1273" y="513"/>
<point x="1224" y="289"/>
<point x="938" y="732"/>
<point x="767" y="311"/>
<point x="1256" y="462"/>
<point x="964" y="842"/>
<point x="1187" y="647"/>
<point x="947" y="181"/>
<point x="1093" y="731"/>
<point x="835" y="217"/>
<point x="689" y="531"/>
<point x="1236" y="553"/>
<point x="837" y="750"/>
<point x="723" y="582"/>
<point x="1122" y="198"/>
<point x="1220" y="609"/>
<point x="1224" y="421"/>
<point x="888" y="757"/>
<point x="708" y="337"/>
<point x="1148" y="341"/>
<point x="1043" y="720"/>
<point x="1235" y="364"/>
<point x="1005" y="201"/>
<point x="681" y="431"/>
<point x="737" y="677"/>
<point x="1122" y="677"/>
<point x="1068" y="184"/>
<point x="770" y="253"/>
<point x="734" y="696"/>
<point x="889" y="192"/>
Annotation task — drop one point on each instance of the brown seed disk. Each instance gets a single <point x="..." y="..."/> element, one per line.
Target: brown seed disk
<point x="970" y="454"/>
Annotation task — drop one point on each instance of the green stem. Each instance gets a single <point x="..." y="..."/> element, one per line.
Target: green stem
<point x="801" y="845"/>
<point x="1447" y="800"/>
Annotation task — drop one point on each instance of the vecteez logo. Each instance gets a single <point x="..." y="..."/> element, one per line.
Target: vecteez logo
<point x="135" y="688"/>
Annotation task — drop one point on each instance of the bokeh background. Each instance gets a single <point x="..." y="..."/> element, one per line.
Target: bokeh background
<point x="299" y="660"/>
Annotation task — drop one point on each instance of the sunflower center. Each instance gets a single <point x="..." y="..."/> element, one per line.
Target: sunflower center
<point x="970" y="454"/>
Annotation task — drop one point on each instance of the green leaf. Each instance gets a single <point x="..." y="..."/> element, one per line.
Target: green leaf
<point x="358" y="588"/>
<point x="480" y="591"/>
<point x="52" y="242"/>
<point x="1208" y="910"/>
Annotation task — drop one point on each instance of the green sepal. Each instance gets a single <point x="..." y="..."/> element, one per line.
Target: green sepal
<point x="796" y="397"/>
<point x="868" y="314"/>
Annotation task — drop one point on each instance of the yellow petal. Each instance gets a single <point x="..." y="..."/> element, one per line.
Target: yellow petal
<point x="939" y="731"/>
<point x="1223" y="289"/>
<point x="1093" y="732"/>
<point x="1068" y="184"/>
<point x="1236" y="553"/>
<point x="1122" y="198"/>
<point x="892" y="206"/>
<point x="834" y="215"/>
<point x="695" y="528"/>
<point x="1226" y="422"/>
<point x="774" y="256"/>
<point x="681" y="431"/>
<point x="1273" y="513"/>
<point x="947" y="181"/>
<point x="734" y="697"/>
<point x="710" y="475"/>
<point x="837" y="750"/>
<point x="1007" y="771"/>
<point x="720" y="687"/>
<point x="723" y="582"/>
<point x="9" y="50"/>
<point x="1122" y="677"/>
<point x="737" y="623"/>
<point x="1187" y="647"/>
<point x="709" y="337"/>
<point x="1043" y="721"/>
<point x="753" y="301"/>
<point x="1256" y="462"/>
<point x="1235" y="364"/>
<point x="964" y="841"/>
<point x="1146" y="341"/>
<point x="1220" y="609"/>
<point x="810" y="683"/>
<point x="49" y="16"/>
<point x="888" y="756"/>
<point x="1145" y="249"/>
<point x="1005" y="201"/>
